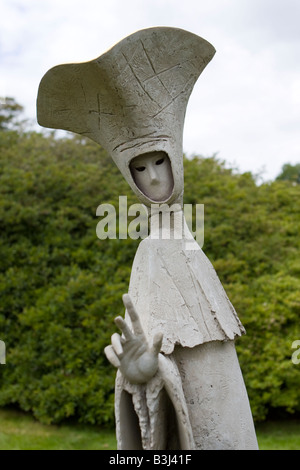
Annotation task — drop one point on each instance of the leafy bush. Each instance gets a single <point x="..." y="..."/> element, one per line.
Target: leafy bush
<point x="60" y="286"/>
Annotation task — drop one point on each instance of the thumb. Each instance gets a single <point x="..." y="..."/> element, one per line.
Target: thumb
<point x="157" y="342"/>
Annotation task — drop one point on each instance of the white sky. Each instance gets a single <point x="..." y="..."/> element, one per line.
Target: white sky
<point x="246" y="104"/>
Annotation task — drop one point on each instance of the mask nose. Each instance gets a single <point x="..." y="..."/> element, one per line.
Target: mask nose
<point x="153" y="174"/>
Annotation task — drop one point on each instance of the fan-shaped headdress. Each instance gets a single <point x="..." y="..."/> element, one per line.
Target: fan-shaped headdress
<point x="132" y="99"/>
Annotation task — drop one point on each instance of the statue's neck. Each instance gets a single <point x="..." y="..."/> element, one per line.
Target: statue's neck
<point x="166" y="222"/>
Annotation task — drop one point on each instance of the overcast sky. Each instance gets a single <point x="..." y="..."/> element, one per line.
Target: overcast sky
<point x="246" y="104"/>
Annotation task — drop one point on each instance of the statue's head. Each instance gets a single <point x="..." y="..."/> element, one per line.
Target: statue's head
<point x="132" y="100"/>
<point x="154" y="170"/>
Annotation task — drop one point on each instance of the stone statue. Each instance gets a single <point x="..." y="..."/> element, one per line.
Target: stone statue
<point x="179" y="383"/>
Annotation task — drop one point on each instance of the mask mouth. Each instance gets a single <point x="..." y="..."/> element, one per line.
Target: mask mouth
<point x="153" y="176"/>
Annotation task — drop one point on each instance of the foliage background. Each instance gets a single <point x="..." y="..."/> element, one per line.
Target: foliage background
<point x="61" y="287"/>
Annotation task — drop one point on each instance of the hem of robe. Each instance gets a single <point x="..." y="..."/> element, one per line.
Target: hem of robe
<point x="146" y="406"/>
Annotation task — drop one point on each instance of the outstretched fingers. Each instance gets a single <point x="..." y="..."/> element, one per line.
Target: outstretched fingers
<point x="116" y="342"/>
<point x="130" y="348"/>
<point x="114" y="351"/>
<point x="111" y="356"/>
<point x="136" y="324"/>
<point x="121" y="323"/>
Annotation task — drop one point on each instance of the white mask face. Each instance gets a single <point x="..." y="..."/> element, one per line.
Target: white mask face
<point x="152" y="173"/>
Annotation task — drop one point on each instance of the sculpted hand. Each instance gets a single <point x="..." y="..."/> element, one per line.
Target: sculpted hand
<point x="131" y="354"/>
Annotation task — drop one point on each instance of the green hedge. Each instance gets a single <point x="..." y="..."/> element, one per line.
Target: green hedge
<point x="61" y="286"/>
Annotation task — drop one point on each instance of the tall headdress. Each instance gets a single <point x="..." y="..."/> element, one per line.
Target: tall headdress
<point x="132" y="99"/>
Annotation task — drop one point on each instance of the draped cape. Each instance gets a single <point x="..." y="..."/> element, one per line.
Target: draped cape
<point x="177" y="292"/>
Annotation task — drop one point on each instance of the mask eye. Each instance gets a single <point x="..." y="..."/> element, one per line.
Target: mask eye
<point x="140" y="168"/>
<point x="160" y="161"/>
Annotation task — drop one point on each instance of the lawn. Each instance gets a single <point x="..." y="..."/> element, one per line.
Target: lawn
<point x="19" y="431"/>
<point x="279" y="435"/>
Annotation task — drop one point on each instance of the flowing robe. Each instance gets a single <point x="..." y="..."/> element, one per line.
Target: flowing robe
<point x="197" y="399"/>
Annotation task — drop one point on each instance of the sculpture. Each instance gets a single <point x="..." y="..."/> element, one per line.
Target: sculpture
<point x="179" y="383"/>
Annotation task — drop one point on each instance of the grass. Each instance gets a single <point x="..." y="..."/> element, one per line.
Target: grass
<point x="279" y="435"/>
<point x="20" y="431"/>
